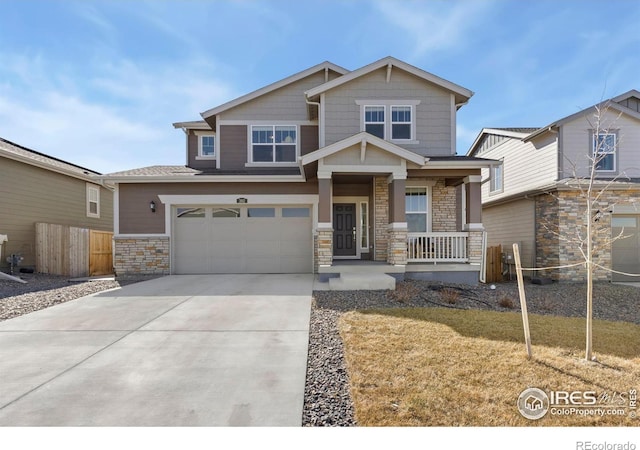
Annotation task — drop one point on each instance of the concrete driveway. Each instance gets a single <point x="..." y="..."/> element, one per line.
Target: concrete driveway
<point x="200" y="350"/>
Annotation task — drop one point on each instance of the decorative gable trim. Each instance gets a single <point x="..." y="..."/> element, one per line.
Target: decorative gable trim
<point x="363" y="139"/>
<point x="462" y="94"/>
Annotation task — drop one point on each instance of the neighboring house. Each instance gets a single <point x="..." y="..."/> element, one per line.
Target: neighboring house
<point x="532" y="197"/>
<point x="36" y="188"/>
<point x="319" y="167"/>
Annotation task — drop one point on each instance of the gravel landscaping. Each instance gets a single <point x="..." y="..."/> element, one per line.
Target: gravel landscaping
<point x="327" y="400"/>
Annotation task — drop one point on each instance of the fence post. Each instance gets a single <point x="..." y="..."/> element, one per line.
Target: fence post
<point x="523" y="300"/>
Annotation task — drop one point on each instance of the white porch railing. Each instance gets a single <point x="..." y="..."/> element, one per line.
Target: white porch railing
<point x="437" y="247"/>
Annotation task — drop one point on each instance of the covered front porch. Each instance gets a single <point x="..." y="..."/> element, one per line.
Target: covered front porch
<point x="383" y="209"/>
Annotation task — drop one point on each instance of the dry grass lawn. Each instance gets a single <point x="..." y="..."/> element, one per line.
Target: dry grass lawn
<point x="449" y="367"/>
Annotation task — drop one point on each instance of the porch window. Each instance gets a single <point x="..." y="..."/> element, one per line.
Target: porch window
<point x="416" y="209"/>
<point x="604" y="151"/>
<point x="364" y="226"/>
<point x="374" y="120"/>
<point x="274" y="144"/>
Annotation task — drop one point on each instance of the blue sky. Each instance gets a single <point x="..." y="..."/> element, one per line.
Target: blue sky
<point x="99" y="83"/>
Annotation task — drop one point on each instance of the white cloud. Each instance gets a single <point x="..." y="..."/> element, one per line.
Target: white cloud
<point x="116" y="120"/>
<point x="435" y="25"/>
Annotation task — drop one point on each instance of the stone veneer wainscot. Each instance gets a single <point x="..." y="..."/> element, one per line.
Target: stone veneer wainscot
<point x="141" y="256"/>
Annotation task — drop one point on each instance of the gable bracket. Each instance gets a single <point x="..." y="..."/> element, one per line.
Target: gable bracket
<point x="389" y="66"/>
<point x="363" y="149"/>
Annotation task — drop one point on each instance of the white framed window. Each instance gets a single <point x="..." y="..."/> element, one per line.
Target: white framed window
<point x="274" y="144"/>
<point x="207" y="146"/>
<point x="374" y="120"/>
<point x="604" y="151"/>
<point x="393" y="120"/>
<point x="417" y="209"/>
<point x="401" y="122"/>
<point x="497" y="179"/>
<point x="93" y="200"/>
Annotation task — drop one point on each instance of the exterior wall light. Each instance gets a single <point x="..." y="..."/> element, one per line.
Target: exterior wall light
<point x="152" y="205"/>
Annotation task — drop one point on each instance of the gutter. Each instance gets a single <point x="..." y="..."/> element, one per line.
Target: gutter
<point x="205" y="179"/>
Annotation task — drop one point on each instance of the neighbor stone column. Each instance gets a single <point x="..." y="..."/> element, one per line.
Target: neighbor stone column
<point x="381" y="221"/>
<point x="397" y="245"/>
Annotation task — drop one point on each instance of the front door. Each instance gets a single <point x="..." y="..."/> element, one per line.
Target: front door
<point x="344" y="226"/>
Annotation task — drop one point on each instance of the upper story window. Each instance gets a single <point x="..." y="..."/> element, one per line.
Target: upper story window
<point x="274" y="144"/>
<point x="604" y="151"/>
<point x="401" y="122"/>
<point x="93" y="201"/>
<point x="393" y="120"/>
<point x="374" y="120"/>
<point x="207" y="146"/>
<point x="497" y="178"/>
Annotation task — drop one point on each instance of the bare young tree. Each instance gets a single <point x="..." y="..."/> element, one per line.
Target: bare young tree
<point x="594" y="235"/>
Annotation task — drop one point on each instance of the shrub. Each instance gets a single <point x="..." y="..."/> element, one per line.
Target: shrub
<point x="450" y="296"/>
<point x="506" y="302"/>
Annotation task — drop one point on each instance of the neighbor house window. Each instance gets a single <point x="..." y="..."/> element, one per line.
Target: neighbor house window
<point x="374" y="120"/>
<point x="273" y="144"/>
<point x="207" y="146"/>
<point x="401" y="122"/>
<point x="93" y="201"/>
<point x="604" y="151"/>
<point x="416" y="206"/>
<point x="496" y="178"/>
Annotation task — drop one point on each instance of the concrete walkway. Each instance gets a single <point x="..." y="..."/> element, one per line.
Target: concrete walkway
<point x="200" y="350"/>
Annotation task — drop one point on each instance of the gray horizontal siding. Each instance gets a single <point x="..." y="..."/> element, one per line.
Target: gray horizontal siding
<point x="29" y="195"/>
<point x="433" y="114"/>
<point x="233" y="146"/>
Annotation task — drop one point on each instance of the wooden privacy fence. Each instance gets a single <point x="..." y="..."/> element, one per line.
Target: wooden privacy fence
<point x="72" y="251"/>
<point x="494" y="264"/>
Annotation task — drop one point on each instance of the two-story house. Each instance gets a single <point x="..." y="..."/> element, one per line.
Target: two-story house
<point x="536" y="197"/>
<point x="323" y="166"/>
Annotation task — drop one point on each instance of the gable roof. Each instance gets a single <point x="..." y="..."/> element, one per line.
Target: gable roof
<point x="462" y="94"/>
<point x="513" y="132"/>
<point x="362" y="138"/>
<point x="25" y="155"/>
<point x="273" y="86"/>
<point x="612" y="103"/>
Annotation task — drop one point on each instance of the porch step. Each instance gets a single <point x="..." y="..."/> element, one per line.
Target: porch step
<point x="362" y="282"/>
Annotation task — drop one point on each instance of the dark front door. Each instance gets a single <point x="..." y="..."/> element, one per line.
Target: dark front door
<point x="344" y="226"/>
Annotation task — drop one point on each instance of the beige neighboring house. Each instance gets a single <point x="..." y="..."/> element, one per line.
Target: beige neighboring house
<point x="36" y="188"/>
<point x="529" y="199"/>
<point x="324" y="171"/>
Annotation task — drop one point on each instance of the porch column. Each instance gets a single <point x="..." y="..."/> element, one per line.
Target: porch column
<point x="397" y="231"/>
<point x="474" y="218"/>
<point x="324" y="234"/>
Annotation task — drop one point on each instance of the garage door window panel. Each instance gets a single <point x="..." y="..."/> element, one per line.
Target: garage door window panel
<point x="261" y="212"/>
<point x="225" y="213"/>
<point x="190" y="213"/>
<point x="295" y="212"/>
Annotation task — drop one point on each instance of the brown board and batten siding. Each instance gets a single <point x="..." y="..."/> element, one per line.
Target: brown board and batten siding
<point x="137" y="218"/>
<point x="233" y="147"/>
<point x="31" y="194"/>
<point x="433" y="115"/>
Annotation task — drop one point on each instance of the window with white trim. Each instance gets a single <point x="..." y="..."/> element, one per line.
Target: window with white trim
<point x="374" y="120"/>
<point x="401" y="122"/>
<point x="416" y="209"/>
<point x="392" y="121"/>
<point x="497" y="175"/>
<point x="604" y="151"/>
<point x="274" y="144"/>
<point x="207" y="146"/>
<point x="93" y="200"/>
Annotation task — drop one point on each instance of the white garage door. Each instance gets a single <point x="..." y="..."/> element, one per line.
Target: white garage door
<point x="247" y="239"/>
